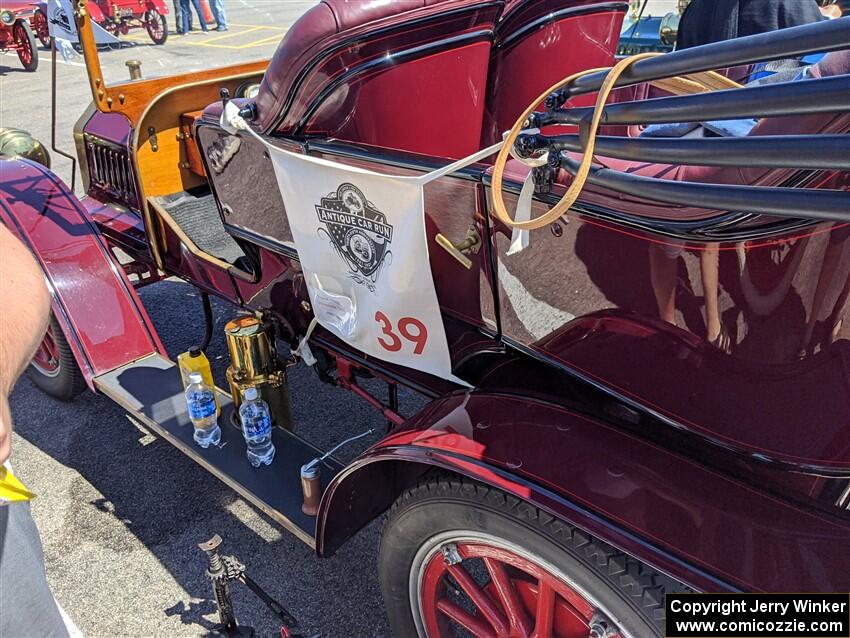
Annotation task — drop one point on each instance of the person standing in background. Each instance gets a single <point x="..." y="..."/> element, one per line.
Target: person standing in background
<point x="217" y="7"/>
<point x="187" y="15"/>
<point x="27" y="607"/>
<point x="706" y="21"/>
<point x="178" y="17"/>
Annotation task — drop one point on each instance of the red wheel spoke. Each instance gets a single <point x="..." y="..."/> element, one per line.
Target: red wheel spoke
<point x="480" y="599"/>
<point x="46" y="357"/>
<point x="522" y="598"/>
<point x="517" y="618"/>
<point x="545" y="616"/>
<point x="470" y="622"/>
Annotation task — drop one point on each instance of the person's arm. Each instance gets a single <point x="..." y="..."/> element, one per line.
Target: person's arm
<point x="24" y="313"/>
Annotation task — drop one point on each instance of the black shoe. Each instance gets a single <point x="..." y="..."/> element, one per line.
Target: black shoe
<point x="221" y="28"/>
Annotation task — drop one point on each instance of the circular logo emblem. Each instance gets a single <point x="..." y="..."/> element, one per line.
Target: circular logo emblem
<point x="360" y="247"/>
<point x="352" y="199"/>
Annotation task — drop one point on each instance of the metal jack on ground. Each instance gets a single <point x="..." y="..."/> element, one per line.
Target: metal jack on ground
<point x="222" y="570"/>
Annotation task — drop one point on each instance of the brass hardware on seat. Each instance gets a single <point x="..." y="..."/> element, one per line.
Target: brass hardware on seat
<point x="152" y="136"/>
<point x="471" y="243"/>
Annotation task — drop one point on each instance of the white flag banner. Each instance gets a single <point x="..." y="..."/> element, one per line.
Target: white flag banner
<point x="361" y="241"/>
<point x="61" y="25"/>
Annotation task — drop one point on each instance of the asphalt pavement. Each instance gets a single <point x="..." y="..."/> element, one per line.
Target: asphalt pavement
<point x="120" y="510"/>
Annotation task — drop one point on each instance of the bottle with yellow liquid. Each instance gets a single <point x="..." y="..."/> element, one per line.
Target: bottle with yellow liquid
<point x="194" y="360"/>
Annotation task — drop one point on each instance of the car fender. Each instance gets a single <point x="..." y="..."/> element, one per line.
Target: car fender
<point x="100" y="313"/>
<point x="96" y="13"/>
<point x="708" y="530"/>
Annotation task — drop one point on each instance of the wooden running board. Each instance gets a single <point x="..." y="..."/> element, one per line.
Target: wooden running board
<point x="151" y="391"/>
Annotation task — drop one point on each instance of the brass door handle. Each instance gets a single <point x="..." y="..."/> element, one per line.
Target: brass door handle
<point x="450" y="248"/>
<point x="470" y="243"/>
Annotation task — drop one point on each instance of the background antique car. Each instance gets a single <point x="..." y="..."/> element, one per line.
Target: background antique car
<point x="116" y="16"/>
<point x="650" y="26"/>
<point x="16" y="33"/>
<point x="658" y="392"/>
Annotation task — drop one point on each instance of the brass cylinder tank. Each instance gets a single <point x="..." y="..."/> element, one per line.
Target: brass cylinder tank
<point x="254" y="364"/>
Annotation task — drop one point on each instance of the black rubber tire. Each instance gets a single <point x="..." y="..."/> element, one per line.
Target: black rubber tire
<point x="629" y="590"/>
<point x="69" y="380"/>
<point x="153" y="14"/>
<point x="29" y="38"/>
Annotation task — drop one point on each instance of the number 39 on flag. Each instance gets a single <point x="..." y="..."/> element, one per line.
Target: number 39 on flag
<point x="410" y="328"/>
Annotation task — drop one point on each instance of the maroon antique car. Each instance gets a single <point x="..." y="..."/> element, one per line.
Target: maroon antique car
<point x="646" y="393"/>
<point x="16" y="33"/>
<point x="116" y="16"/>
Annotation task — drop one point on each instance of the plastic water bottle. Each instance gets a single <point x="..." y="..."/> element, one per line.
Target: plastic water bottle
<point x="201" y="402"/>
<point x="256" y="428"/>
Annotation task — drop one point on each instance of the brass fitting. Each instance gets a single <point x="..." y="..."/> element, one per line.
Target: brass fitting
<point x="135" y="68"/>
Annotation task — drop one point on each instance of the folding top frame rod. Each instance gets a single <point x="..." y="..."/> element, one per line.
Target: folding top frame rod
<point x="796" y="203"/>
<point x="805" y="97"/>
<point x="776" y="45"/>
<point x="807" y="152"/>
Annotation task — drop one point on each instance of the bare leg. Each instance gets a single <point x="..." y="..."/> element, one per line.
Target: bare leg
<point x="663" y="272"/>
<point x="709" y="266"/>
<point x="831" y="256"/>
<point x="836" y="318"/>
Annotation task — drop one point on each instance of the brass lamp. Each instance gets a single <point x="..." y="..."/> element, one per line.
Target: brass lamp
<point x="16" y="142"/>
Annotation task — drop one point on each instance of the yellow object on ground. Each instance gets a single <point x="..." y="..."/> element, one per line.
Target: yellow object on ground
<point x="11" y="489"/>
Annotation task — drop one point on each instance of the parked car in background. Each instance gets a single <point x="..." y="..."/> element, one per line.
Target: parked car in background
<point x="646" y="29"/>
<point x="16" y="33"/>
<point x="118" y="17"/>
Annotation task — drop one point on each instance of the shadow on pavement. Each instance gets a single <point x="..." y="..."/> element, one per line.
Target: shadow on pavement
<point x="168" y="504"/>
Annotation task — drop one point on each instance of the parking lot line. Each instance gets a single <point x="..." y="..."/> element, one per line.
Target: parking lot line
<point x="259" y="43"/>
<point x="205" y="40"/>
<point x="235" y="24"/>
<point x="234" y="34"/>
<point x="213" y="42"/>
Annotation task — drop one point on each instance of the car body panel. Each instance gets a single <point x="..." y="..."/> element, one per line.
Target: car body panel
<point x="709" y="530"/>
<point x="99" y="310"/>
